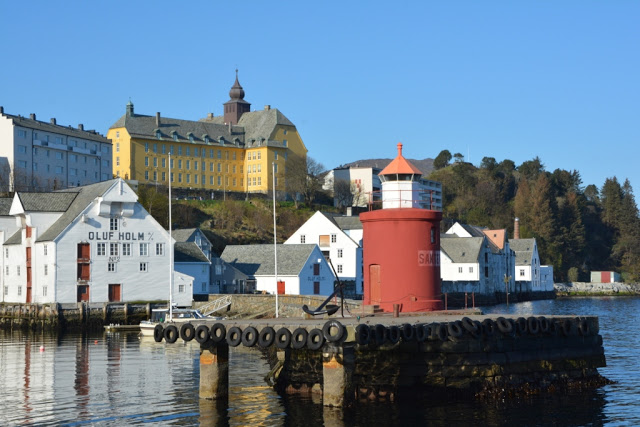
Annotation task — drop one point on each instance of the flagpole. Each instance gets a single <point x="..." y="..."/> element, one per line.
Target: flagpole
<point x="275" y="240"/>
<point x="170" y="250"/>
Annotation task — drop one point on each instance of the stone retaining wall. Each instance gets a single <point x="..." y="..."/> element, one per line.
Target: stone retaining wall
<point x="589" y="288"/>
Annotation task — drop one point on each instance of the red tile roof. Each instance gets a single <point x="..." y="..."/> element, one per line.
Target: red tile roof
<point x="400" y="165"/>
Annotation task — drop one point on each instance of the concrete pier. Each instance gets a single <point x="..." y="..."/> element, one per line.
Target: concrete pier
<point x="338" y="365"/>
<point x="214" y="371"/>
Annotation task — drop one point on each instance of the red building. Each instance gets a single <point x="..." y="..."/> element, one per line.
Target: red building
<point x="401" y="244"/>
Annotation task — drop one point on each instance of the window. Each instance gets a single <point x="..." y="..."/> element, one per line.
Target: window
<point x="316" y="269"/>
<point x="275" y="155"/>
<point x="334" y="238"/>
<point x="179" y="150"/>
<point x="470" y="269"/>
<point x="339" y="253"/>
<point x="113" y="249"/>
<point x="146" y="161"/>
<point x="146" y="145"/>
<point x="126" y="249"/>
<point x="111" y="267"/>
<point x="6" y="270"/>
<point x="259" y="155"/>
<point x="18" y="269"/>
<point x="188" y="164"/>
<point x="486" y="272"/>
<point x="339" y="268"/>
<point x="59" y="169"/>
<point x="146" y="175"/>
<point x="102" y="249"/>
<point x="22" y="149"/>
<point x="459" y="269"/>
<point x="22" y="164"/>
<point x="144" y="249"/>
<point x="218" y="270"/>
<point x="44" y="291"/>
<point x="303" y="238"/>
<point x="316" y="288"/>
<point x="522" y="272"/>
<point x="179" y="163"/>
<point x="155" y="162"/>
<point x="19" y="290"/>
<point x="117" y="161"/>
<point x="46" y="270"/>
<point x="44" y="247"/>
<point x="284" y="142"/>
<point x="175" y="136"/>
<point x="22" y="133"/>
<point x="164" y="163"/>
<point x="143" y="267"/>
<point x="6" y="252"/>
<point x="155" y="148"/>
<point x="164" y="150"/>
<point x="159" y="248"/>
<point x="181" y="288"/>
<point x="6" y="290"/>
<point x="195" y="151"/>
<point x="113" y="223"/>
<point x="188" y="151"/>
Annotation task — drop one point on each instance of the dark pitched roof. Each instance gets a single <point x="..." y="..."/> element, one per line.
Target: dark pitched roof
<point x="344" y="222"/>
<point x="523" y="249"/>
<point x="188" y="252"/>
<point x="462" y="249"/>
<point x="46" y="202"/>
<point x="15" y="239"/>
<point x="184" y="234"/>
<point x="62" y="130"/>
<point x="5" y="205"/>
<point x="83" y="196"/>
<point x="258" y="260"/>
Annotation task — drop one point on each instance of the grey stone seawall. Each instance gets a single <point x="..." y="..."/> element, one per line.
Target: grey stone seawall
<point x="589" y="288"/>
<point x="82" y="316"/>
<point x="461" y="300"/>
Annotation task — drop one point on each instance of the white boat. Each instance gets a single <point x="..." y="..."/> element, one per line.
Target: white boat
<point x="180" y="315"/>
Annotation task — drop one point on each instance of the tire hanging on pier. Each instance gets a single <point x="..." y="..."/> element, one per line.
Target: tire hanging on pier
<point x="187" y="332"/>
<point x="544" y="323"/>
<point x="249" y="336"/>
<point x="521" y="326"/>
<point x="472" y="327"/>
<point x="218" y="332"/>
<point x="505" y="326"/>
<point x="489" y="327"/>
<point x="380" y="334"/>
<point x="283" y="338"/>
<point x="421" y="332"/>
<point x="299" y="338"/>
<point x="266" y="337"/>
<point x="202" y="334"/>
<point x="363" y="334"/>
<point x="455" y="329"/>
<point x="533" y="325"/>
<point x="327" y="328"/>
<point x="171" y="334"/>
<point x="234" y="336"/>
<point x="394" y="334"/>
<point x="315" y="340"/>
<point x="583" y="326"/>
<point x="408" y="332"/>
<point x="158" y="333"/>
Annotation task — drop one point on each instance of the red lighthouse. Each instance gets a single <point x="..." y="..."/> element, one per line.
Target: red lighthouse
<point x="401" y="244"/>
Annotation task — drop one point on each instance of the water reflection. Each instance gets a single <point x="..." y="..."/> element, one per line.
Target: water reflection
<point x="120" y="379"/>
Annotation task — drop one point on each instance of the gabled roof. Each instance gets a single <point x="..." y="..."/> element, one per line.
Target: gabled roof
<point x="461" y="249"/>
<point x="262" y="123"/>
<point x="184" y="234"/>
<point x="15" y="239"/>
<point x="523" y="249"/>
<point x="497" y="237"/>
<point x="258" y="260"/>
<point x="188" y="252"/>
<point x="400" y="165"/>
<point x="344" y="222"/>
<point x="83" y="196"/>
<point x="46" y="202"/>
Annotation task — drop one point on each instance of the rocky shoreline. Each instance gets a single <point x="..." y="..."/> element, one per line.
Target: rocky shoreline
<point x="596" y="289"/>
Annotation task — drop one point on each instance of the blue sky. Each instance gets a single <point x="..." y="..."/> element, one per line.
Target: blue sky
<point x="510" y="80"/>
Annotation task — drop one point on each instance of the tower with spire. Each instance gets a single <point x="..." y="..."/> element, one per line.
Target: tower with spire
<point x="236" y="106"/>
<point x="400" y="183"/>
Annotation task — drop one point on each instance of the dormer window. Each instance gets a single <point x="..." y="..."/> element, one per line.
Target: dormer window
<point x="205" y="138"/>
<point x="221" y="140"/>
<point x="158" y="133"/>
<point x="190" y="135"/>
<point x="174" y="135"/>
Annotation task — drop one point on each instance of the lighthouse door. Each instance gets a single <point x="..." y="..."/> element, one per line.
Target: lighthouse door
<point x="374" y="283"/>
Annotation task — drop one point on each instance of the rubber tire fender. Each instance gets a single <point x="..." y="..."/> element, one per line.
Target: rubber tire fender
<point x="234" y="336"/>
<point x="380" y="334"/>
<point x="455" y="329"/>
<point x="315" y="339"/>
<point x="158" y="333"/>
<point x="326" y="330"/>
<point x="299" y="338"/>
<point x="171" y="334"/>
<point x="521" y="326"/>
<point x="471" y="327"/>
<point x="249" y="336"/>
<point x="583" y="326"/>
<point x="266" y="337"/>
<point x="363" y="334"/>
<point x="421" y="333"/>
<point x="202" y="334"/>
<point x="283" y="338"/>
<point x="394" y="334"/>
<point x="489" y="327"/>
<point x="544" y="324"/>
<point x="187" y="332"/>
<point x="218" y="332"/>
<point x="567" y="327"/>
<point x="533" y="325"/>
<point x="442" y="332"/>
<point x="505" y="326"/>
<point x="408" y="332"/>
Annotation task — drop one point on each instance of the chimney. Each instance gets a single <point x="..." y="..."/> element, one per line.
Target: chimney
<point x="81" y="126"/>
<point x="158" y="119"/>
<point x="1" y="109"/>
<point x="32" y="116"/>
<point x="516" y="229"/>
<point x="349" y="211"/>
<point x="267" y="107"/>
<point x="210" y="116"/>
<point x="53" y="120"/>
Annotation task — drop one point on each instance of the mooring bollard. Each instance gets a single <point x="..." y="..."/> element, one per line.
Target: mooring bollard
<point x="396" y="310"/>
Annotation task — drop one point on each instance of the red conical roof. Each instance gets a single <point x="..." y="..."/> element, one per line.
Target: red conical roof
<point x="400" y="165"/>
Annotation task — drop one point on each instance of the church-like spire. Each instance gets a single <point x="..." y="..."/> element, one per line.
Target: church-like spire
<point x="236" y="106"/>
<point x="236" y="93"/>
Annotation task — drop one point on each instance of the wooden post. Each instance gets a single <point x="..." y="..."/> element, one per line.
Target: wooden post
<point x="446" y="301"/>
<point x="338" y="363"/>
<point x="214" y="371"/>
<point x="466" y="299"/>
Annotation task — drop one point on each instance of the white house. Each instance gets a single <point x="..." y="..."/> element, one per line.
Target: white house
<point x="301" y="268"/>
<point x="363" y="182"/>
<point x="340" y="240"/>
<point x="41" y="156"/>
<point x="527" y="264"/>
<point x="94" y="244"/>
<point x="192" y="252"/>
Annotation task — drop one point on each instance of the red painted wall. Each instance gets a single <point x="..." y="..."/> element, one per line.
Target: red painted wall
<point x="401" y="264"/>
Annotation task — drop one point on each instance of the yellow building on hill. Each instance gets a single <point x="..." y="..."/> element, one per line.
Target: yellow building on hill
<point x="232" y="152"/>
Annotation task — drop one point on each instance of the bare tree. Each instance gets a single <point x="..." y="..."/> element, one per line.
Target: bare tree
<point x="343" y="191"/>
<point x="303" y="178"/>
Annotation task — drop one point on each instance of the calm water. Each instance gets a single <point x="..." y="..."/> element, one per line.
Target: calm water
<point x="118" y="379"/>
